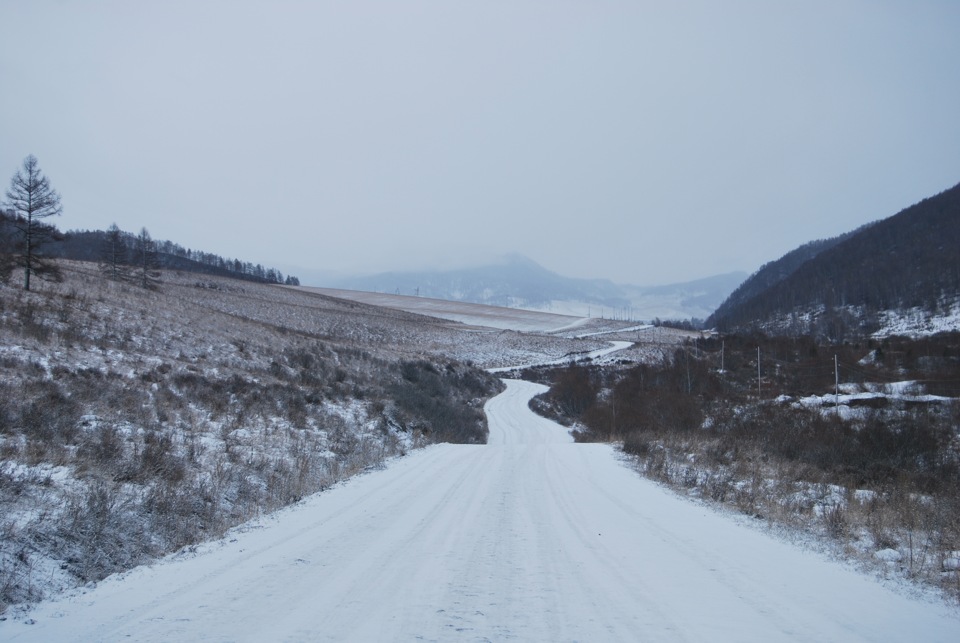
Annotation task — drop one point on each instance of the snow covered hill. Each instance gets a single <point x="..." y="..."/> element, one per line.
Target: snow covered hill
<point x="530" y="537"/>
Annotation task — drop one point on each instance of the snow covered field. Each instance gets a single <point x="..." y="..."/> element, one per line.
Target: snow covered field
<point x="597" y="357"/>
<point x="464" y="312"/>
<point x="530" y="537"/>
<point x="134" y="422"/>
<point x="918" y="323"/>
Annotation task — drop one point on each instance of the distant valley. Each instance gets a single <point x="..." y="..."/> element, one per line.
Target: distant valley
<point x="519" y="282"/>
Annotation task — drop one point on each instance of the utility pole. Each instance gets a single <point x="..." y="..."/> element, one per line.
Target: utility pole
<point x="836" y="389"/>
<point x="722" y="345"/>
<point x="758" y="372"/>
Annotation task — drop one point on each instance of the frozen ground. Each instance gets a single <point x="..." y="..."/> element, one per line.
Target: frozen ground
<point x="598" y="356"/>
<point x="464" y="312"/>
<point x="915" y="322"/>
<point x="530" y="537"/>
<point x="183" y="411"/>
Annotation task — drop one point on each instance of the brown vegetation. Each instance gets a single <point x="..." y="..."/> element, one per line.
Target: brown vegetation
<point x="136" y="422"/>
<point x="877" y="472"/>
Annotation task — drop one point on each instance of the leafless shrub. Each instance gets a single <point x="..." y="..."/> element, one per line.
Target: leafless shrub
<point x="42" y="452"/>
<point x="718" y="485"/>
<point x="160" y="460"/>
<point x="96" y="535"/>
<point x="876" y="517"/>
<point x="130" y="390"/>
<point x="101" y="449"/>
<point x="835" y="520"/>
<point x="432" y="401"/>
<point x="48" y="414"/>
<point x="17" y="583"/>
<point x="182" y="514"/>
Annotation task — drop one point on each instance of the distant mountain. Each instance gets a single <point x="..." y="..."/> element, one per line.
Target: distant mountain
<point x="687" y="300"/>
<point x="519" y="282"/>
<point x="860" y="282"/>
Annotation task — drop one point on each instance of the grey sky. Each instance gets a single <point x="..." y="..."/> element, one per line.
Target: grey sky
<point x="644" y="142"/>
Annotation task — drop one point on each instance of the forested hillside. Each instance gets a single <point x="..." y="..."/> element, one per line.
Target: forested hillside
<point x="94" y="245"/>
<point x="840" y="287"/>
<point x="771" y="274"/>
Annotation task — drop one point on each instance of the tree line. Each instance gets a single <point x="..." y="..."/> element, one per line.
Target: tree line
<point x="30" y="243"/>
<point x="100" y="246"/>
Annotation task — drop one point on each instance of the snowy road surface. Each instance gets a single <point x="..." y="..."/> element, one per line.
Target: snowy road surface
<point x="530" y="538"/>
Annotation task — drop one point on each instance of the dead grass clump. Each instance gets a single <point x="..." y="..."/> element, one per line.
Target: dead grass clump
<point x="101" y="449"/>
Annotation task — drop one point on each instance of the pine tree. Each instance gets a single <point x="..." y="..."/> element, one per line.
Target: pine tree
<point x="32" y="200"/>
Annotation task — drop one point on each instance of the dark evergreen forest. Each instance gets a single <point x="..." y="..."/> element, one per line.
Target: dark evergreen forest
<point x="911" y="259"/>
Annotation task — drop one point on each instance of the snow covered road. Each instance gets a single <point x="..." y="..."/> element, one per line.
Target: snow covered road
<point x="529" y="538"/>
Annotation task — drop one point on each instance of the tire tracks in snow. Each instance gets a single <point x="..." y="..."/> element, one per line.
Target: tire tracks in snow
<point x="531" y="537"/>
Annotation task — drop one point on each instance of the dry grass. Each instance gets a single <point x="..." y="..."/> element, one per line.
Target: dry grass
<point x="878" y="480"/>
<point x="136" y="422"/>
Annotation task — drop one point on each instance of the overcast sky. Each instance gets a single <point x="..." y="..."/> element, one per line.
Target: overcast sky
<point x="644" y="142"/>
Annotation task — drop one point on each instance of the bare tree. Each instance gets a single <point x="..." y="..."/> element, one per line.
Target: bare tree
<point x="32" y="200"/>
<point x="114" y="255"/>
<point x="148" y="262"/>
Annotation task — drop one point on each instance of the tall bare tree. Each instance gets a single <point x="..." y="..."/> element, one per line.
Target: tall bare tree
<point x="32" y="200"/>
<point x="114" y="256"/>
<point x="147" y="260"/>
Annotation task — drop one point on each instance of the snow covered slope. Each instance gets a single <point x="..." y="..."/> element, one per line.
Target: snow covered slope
<point x="461" y="311"/>
<point x="530" y="537"/>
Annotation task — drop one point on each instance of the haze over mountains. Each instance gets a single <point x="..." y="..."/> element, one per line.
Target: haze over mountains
<point x="899" y="275"/>
<point x="519" y="282"/>
<point x="895" y="275"/>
